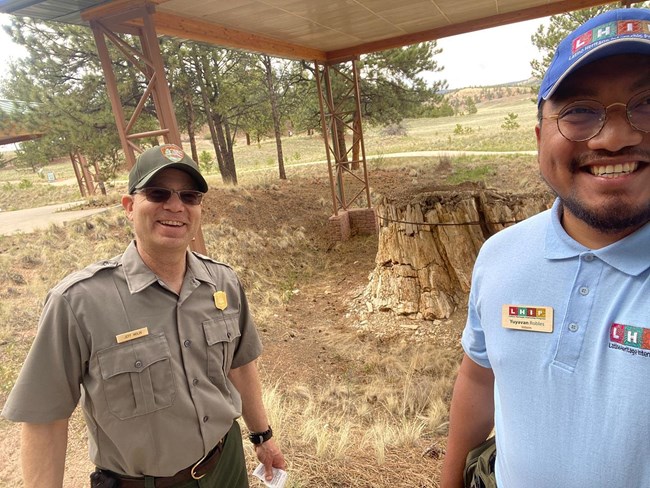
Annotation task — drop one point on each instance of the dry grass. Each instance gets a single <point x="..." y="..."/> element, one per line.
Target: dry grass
<point x="365" y="421"/>
<point x="364" y="427"/>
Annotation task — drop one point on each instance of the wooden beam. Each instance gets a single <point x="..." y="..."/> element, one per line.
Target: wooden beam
<point x="196" y="30"/>
<point x="108" y="10"/>
<point x="463" y="27"/>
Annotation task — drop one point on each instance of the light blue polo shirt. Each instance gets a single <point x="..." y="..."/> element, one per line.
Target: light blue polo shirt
<point x="572" y="406"/>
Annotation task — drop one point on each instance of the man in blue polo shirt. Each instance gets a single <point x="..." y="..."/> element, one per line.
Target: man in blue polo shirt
<point x="557" y="341"/>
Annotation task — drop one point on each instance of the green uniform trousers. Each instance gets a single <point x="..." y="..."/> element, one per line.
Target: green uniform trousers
<point x="230" y="472"/>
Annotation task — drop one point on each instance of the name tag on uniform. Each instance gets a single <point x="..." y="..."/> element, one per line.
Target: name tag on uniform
<point x="527" y="317"/>
<point x="132" y="334"/>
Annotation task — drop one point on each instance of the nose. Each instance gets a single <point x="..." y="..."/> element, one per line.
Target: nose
<point x="617" y="132"/>
<point x="174" y="202"/>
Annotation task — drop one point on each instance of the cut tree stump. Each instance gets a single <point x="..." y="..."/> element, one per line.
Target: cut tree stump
<point x="427" y="246"/>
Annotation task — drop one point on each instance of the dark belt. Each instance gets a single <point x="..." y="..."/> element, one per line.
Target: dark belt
<point x="197" y="471"/>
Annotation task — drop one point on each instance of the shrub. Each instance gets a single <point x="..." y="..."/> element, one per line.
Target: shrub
<point x="205" y="161"/>
<point x="459" y="130"/>
<point x="394" y="130"/>
<point x="25" y="183"/>
<point x="510" y="122"/>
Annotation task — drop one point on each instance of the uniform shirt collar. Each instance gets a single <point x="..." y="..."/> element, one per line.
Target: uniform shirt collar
<point x="629" y="255"/>
<point x="139" y="276"/>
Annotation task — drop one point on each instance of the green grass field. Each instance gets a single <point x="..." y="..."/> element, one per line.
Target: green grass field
<point x="481" y="131"/>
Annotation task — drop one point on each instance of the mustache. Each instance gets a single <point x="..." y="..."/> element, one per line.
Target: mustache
<point x="633" y="154"/>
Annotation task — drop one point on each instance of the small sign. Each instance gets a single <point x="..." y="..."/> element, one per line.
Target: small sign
<point x="51" y="177"/>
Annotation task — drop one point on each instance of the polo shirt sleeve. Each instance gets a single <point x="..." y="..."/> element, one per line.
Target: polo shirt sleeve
<point x="48" y="386"/>
<point x="250" y="346"/>
<point x="473" y="339"/>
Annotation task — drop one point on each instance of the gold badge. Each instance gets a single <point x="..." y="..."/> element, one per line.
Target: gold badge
<point x="527" y="317"/>
<point x="220" y="300"/>
<point x="132" y="334"/>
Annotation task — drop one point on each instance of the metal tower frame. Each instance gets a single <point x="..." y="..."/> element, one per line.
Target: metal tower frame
<point x="341" y="111"/>
<point x="147" y="59"/>
<point x="137" y="21"/>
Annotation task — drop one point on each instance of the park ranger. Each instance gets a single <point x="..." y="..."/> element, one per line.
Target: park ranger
<point x="160" y="347"/>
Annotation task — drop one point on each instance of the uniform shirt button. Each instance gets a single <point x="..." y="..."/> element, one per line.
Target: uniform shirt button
<point x="589" y="257"/>
<point x="584" y="291"/>
<point x="205" y="419"/>
<point x="138" y="364"/>
<point x="573" y="327"/>
<point x="187" y="343"/>
<point x="195" y="382"/>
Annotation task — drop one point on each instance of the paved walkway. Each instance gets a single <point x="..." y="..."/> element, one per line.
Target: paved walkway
<point x="32" y="219"/>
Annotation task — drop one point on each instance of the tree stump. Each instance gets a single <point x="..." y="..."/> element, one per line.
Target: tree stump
<point x="427" y="246"/>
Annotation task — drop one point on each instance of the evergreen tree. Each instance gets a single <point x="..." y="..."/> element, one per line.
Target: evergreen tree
<point x="546" y="39"/>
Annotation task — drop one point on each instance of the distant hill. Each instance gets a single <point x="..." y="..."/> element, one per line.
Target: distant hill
<point x="531" y="82"/>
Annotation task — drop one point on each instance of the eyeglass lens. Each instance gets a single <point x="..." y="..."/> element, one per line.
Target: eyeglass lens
<point x="159" y="195"/>
<point x="582" y="120"/>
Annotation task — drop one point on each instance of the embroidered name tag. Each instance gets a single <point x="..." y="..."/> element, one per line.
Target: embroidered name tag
<point x="132" y="334"/>
<point x="527" y="317"/>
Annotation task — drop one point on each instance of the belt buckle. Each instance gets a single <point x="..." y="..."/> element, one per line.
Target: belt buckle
<point x="192" y="471"/>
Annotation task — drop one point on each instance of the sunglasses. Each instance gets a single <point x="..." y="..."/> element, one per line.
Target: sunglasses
<point x="159" y="195"/>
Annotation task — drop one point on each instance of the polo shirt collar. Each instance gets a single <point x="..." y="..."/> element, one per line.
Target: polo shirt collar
<point x="629" y="255"/>
<point x="139" y="276"/>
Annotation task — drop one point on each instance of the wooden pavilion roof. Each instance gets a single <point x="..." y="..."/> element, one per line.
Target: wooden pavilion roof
<point x="322" y="30"/>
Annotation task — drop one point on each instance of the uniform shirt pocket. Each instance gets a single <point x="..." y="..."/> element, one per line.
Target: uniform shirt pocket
<point x="221" y="336"/>
<point x="137" y="376"/>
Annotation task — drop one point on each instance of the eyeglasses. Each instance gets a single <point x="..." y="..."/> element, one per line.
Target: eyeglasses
<point x="160" y="195"/>
<point x="581" y="120"/>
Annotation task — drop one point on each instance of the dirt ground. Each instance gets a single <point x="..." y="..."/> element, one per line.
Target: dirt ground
<point x="328" y="300"/>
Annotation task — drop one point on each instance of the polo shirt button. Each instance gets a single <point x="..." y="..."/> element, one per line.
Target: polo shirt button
<point x="195" y="382"/>
<point x="573" y="327"/>
<point x="187" y="343"/>
<point x="205" y="419"/>
<point x="138" y="364"/>
<point x="584" y="291"/>
<point x="589" y="257"/>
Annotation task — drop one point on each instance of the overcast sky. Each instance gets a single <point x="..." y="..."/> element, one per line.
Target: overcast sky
<point x="490" y="56"/>
<point x="487" y="57"/>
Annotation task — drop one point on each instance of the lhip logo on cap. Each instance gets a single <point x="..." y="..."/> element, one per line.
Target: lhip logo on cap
<point x="609" y="30"/>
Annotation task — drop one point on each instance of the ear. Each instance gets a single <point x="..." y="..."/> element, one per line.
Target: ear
<point x="538" y="135"/>
<point x="127" y="203"/>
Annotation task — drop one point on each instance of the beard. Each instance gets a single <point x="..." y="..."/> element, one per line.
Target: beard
<point x="608" y="219"/>
<point x="616" y="215"/>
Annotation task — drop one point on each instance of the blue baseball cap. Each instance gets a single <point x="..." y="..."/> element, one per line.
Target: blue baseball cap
<point x="620" y="31"/>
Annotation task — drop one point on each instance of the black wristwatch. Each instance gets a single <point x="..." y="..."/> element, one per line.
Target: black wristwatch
<point x="258" y="438"/>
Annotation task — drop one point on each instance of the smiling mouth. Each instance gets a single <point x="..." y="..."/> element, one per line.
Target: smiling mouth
<point x="172" y="223"/>
<point x="613" y="170"/>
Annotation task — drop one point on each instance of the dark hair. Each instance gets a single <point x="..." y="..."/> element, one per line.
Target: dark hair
<point x="540" y="109"/>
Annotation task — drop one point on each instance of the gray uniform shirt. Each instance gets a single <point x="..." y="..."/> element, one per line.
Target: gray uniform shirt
<point x="156" y="401"/>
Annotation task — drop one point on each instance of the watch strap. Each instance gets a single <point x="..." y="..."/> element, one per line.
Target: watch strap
<point x="258" y="438"/>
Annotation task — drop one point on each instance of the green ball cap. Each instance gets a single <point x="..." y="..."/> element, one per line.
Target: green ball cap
<point x="158" y="158"/>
